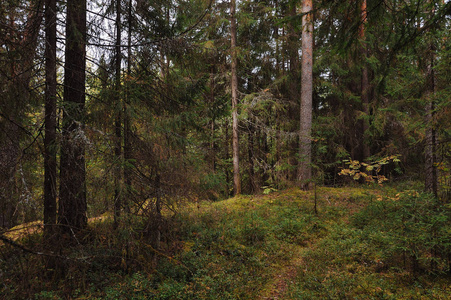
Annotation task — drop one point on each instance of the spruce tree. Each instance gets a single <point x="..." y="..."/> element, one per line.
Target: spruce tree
<point x="72" y="209"/>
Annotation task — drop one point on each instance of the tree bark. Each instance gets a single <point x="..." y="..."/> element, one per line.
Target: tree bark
<point x="127" y="120"/>
<point x="227" y="156"/>
<point x="250" y="151"/>
<point x="293" y="83"/>
<point x="212" y="150"/>
<point x="431" y="176"/>
<point x="118" y="121"/>
<point x="16" y="90"/>
<point x="305" y="140"/>
<point x="50" y="164"/>
<point x="364" y="79"/>
<point x="234" y="86"/>
<point x="293" y="50"/>
<point x="72" y="203"/>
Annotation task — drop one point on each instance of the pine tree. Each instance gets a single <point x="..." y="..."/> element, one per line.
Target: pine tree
<point x="430" y="152"/>
<point x="72" y="200"/>
<point x="19" y="39"/>
<point x="50" y="143"/>
<point x="234" y="87"/>
<point x="364" y="88"/>
<point x="118" y="195"/>
<point x="305" y="139"/>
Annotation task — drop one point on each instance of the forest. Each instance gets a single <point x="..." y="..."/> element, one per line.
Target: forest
<point x="225" y="149"/>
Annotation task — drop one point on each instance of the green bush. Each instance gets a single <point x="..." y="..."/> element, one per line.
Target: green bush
<point x="411" y="230"/>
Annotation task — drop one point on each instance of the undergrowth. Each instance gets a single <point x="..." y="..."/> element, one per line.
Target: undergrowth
<point x="363" y="243"/>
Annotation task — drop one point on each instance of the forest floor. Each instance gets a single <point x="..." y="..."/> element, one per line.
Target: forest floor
<point x="277" y="288"/>
<point x="28" y="229"/>
<point x="361" y="243"/>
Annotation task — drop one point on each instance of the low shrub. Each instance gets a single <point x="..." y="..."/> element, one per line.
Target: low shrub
<point x="411" y="230"/>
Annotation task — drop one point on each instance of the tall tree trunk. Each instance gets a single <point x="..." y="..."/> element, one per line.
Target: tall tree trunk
<point x="9" y="155"/>
<point x="278" y="122"/>
<point x="293" y="50"/>
<point x="24" y="44"/>
<point x="305" y="140"/>
<point x="127" y="120"/>
<point x="431" y="176"/>
<point x="234" y="86"/>
<point x="293" y="83"/>
<point x="50" y="165"/>
<point x="72" y="203"/>
<point x="250" y="151"/>
<point x="158" y="221"/>
<point x="227" y="156"/>
<point x="212" y="152"/>
<point x="118" y="122"/>
<point x="364" y="79"/>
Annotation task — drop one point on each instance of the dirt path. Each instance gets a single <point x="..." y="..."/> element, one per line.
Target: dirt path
<point x="276" y="289"/>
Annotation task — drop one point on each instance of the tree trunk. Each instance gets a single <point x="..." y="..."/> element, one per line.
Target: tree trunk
<point x="127" y="120"/>
<point x="50" y="144"/>
<point x="252" y="182"/>
<point x="234" y="86"/>
<point x="293" y="84"/>
<point x="431" y="185"/>
<point x="9" y="155"/>
<point x="305" y="140"/>
<point x="72" y="202"/>
<point x="227" y="156"/>
<point x="364" y="80"/>
<point x="158" y="221"/>
<point x="212" y="151"/>
<point x="293" y="50"/>
<point x="118" y="122"/>
<point x="431" y="179"/>
<point x="16" y="97"/>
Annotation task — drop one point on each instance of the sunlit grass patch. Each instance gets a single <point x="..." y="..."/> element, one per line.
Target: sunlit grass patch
<point x="23" y="230"/>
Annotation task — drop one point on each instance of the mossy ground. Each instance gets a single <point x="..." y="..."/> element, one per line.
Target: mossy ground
<point x="252" y="247"/>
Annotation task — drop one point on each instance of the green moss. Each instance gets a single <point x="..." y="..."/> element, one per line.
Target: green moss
<point x="359" y="245"/>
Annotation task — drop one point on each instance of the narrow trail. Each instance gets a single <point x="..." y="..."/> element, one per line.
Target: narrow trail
<point x="277" y="288"/>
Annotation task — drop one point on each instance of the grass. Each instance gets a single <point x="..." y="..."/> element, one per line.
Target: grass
<point x="259" y="247"/>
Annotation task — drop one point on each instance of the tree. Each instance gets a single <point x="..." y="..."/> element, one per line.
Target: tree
<point x="364" y="89"/>
<point x="234" y="87"/>
<point x="50" y="163"/>
<point x="127" y="118"/>
<point x="305" y="139"/>
<point x="19" y="43"/>
<point x="118" y="196"/>
<point x="430" y="152"/>
<point x="72" y="201"/>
